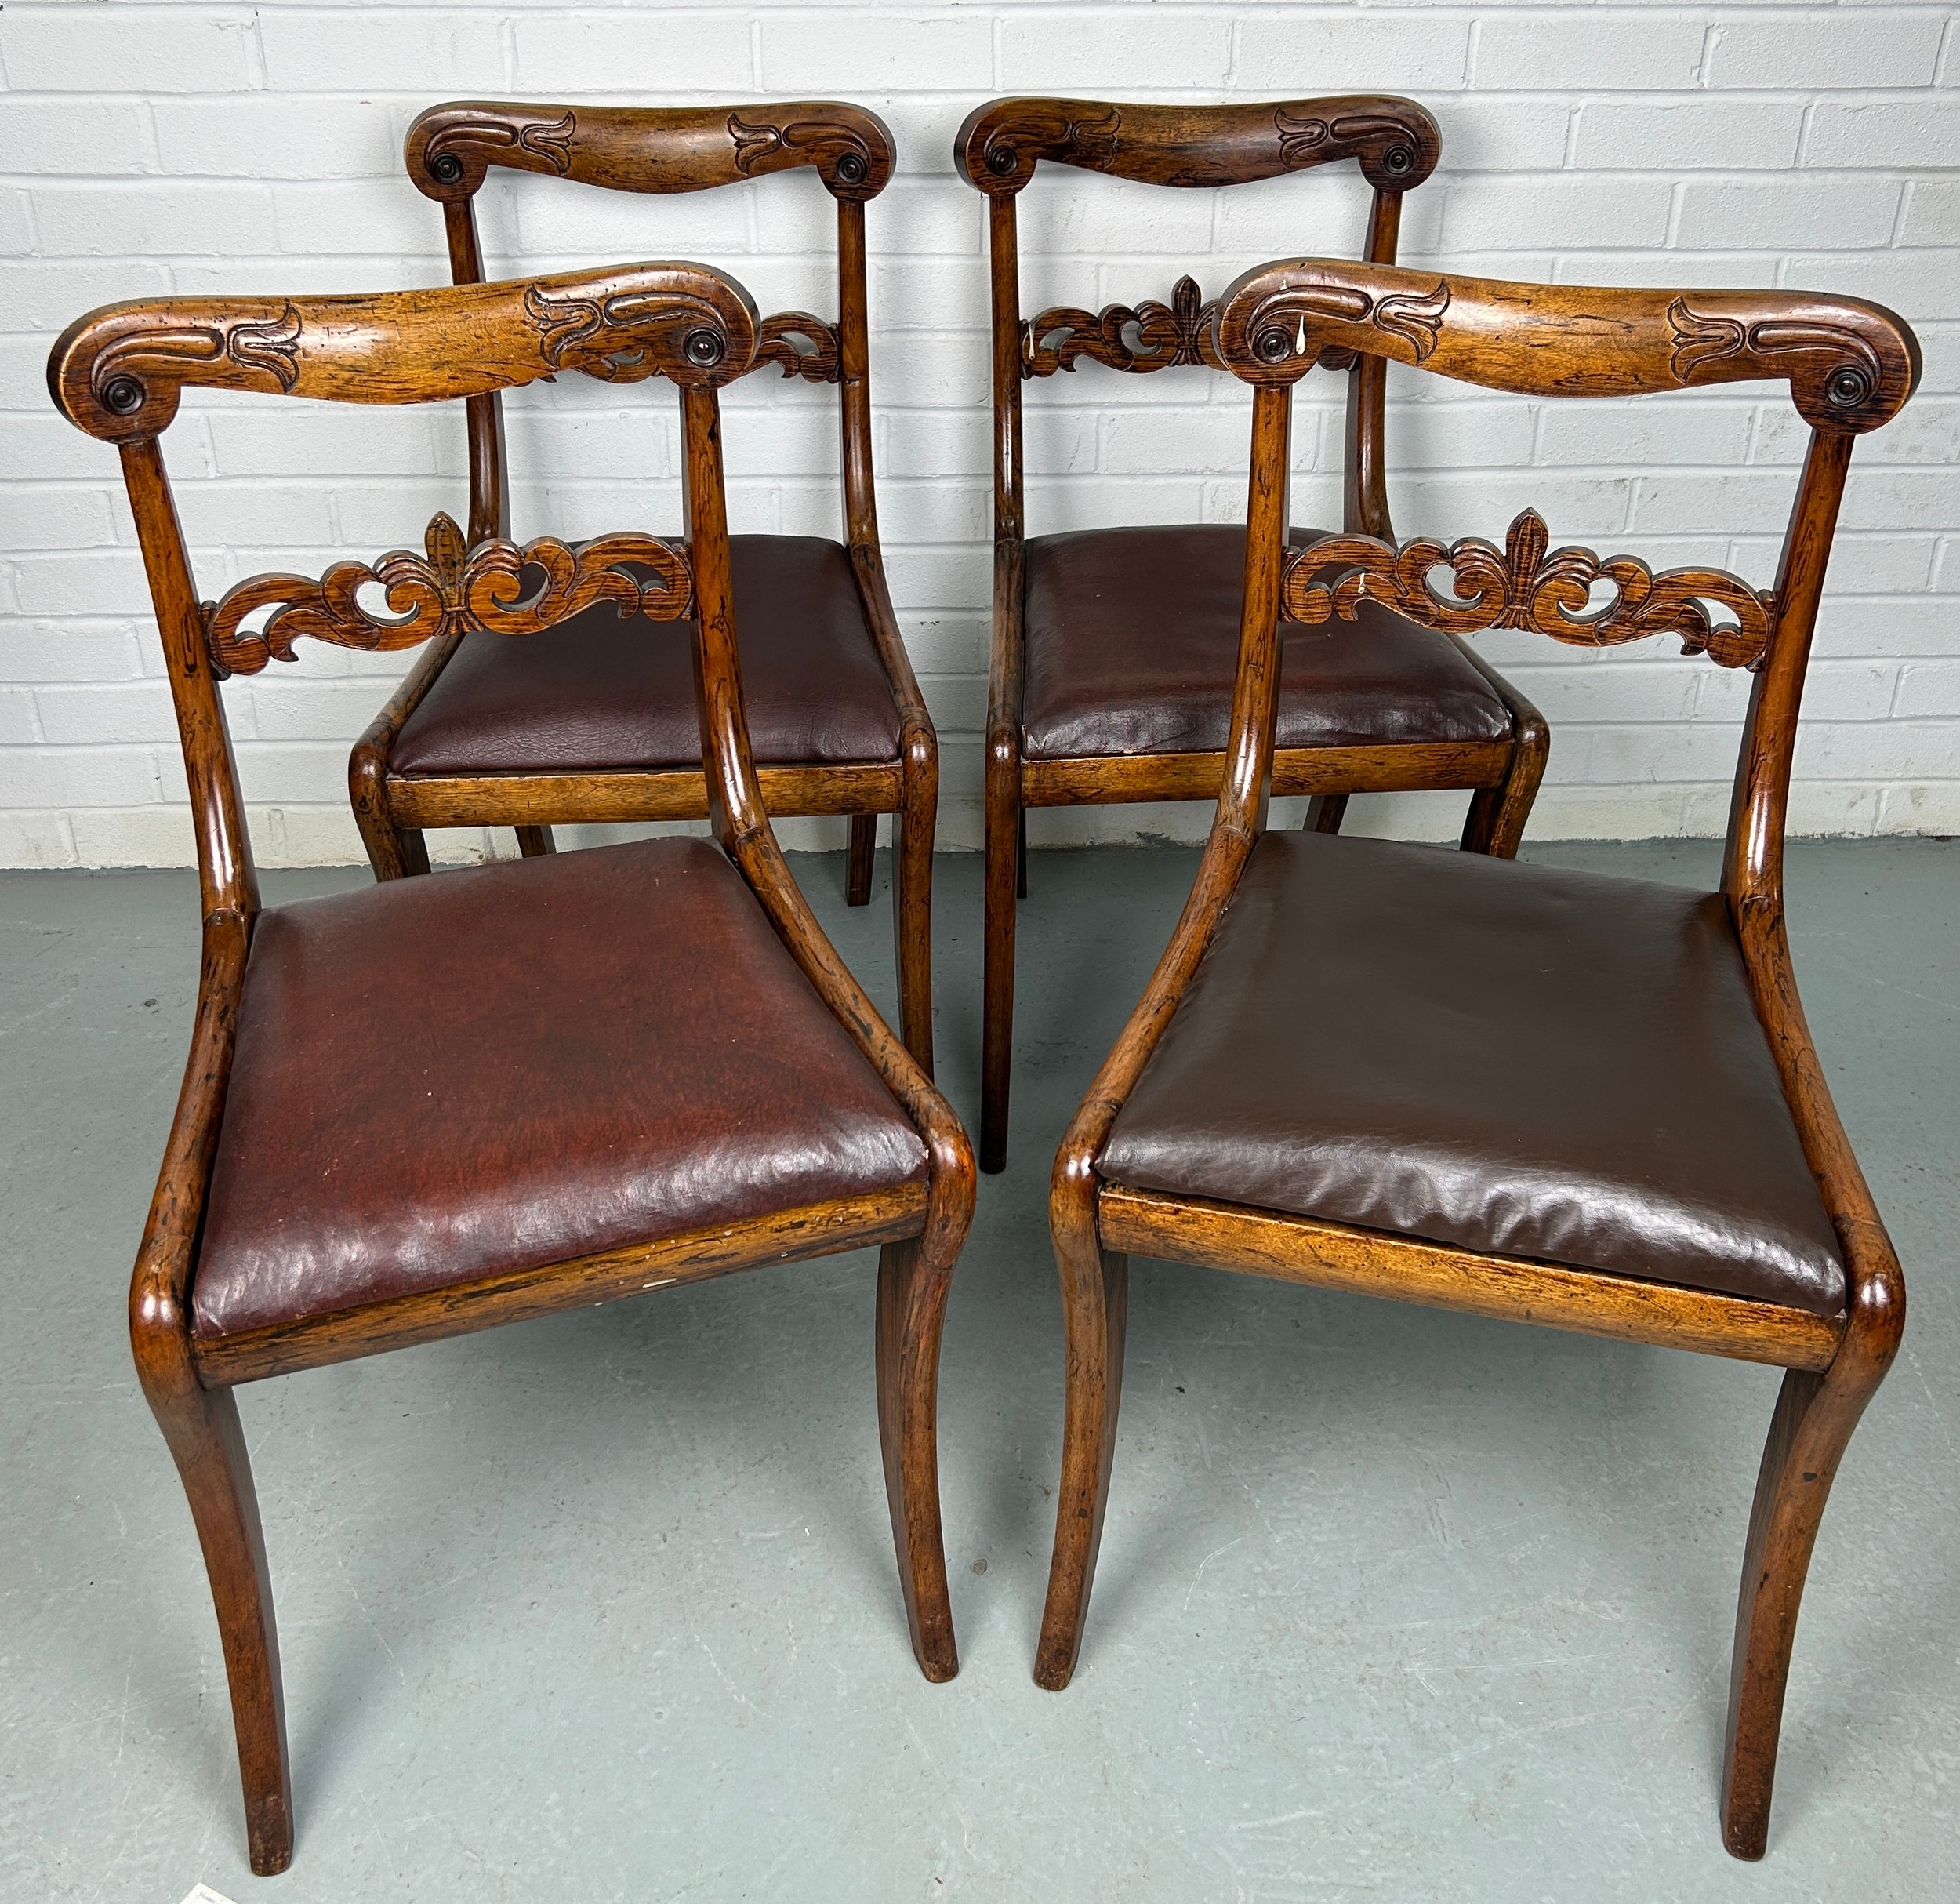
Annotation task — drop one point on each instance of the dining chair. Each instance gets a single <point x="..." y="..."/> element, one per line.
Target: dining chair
<point x="434" y="1105"/>
<point x="1591" y="1104"/>
<point x="599" y="725"/>
<point x="1113" y="648"/>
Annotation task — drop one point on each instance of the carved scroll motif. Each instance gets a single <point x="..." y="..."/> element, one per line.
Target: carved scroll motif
<point x="1278" y="330"/>
<point x="775" y="343"/>
<point x="1527" y="585"/>
<point x="271" y="345"/>
<point x="1164" y="335"/>
<point x="550" y="140"/>
<point x="836" y="151"/>
<point x="1300" y="139"/>
<point x="613" y="339"/>
<point x="1045" y="132"/>
<point x="447" y="590"/>
<point x="1702" y="339"/>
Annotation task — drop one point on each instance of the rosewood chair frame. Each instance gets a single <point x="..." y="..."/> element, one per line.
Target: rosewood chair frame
<point x="1397" y="144"/>
<point x="1850" y="366"/>
<point x="448" y="152"/>
<point x="117" y="374"/>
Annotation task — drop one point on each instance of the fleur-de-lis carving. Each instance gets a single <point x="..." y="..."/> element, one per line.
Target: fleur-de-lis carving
<point x="1151" y="336"/>
<point x="449" y="588"/>
<point x="1527" y="584"/>
<point x="1300" y="139"/>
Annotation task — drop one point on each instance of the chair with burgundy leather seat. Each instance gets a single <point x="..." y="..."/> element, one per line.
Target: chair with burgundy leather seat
<point x="1515" y="1090"/>
<point x="436" y="1104"/>
<point x="600" y="726"/>
<point x="1113" y="648"/>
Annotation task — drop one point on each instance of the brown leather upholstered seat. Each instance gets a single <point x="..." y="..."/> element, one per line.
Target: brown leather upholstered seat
<point x="1508" y="1058"/>
<point x="444" y="1078"/>
<point x="1132" y="639"/>
<point x="607" y="691"/>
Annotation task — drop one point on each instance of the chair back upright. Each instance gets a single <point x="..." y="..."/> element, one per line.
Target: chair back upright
<point x="1395" y="140"/>
<point x="1850" y="365"/>
<point x="657" y="150"/>
<point x="119" y="373"/>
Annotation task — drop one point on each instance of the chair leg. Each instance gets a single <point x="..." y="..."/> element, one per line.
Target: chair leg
<point x="912" y="915"/>
<point x="1814" y="1418"/>
<point x="912" y="1307"/>
<point x="1496" y="821"/>
<point x="1095" y="1293"/>
<point x="1325" y="812"/>
<point x="1005" y="831"/>
<point x="393" y="852"/>
<point x="202" y="1427"/>
<point x="534" y="842"/>
<point x="863" y="855"/>
<point x="1021" y="855"/>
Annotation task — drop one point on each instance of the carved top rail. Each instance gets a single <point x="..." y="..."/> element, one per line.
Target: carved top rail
<point x="998" y="147"/>
<point x="648" y="149"/>
<point x="1527" y="584"/>
<point x="118" y="372"/>
<point x="1850" y="365"/>
<point x="1148" y="337"/>
<point x="496" y="587"/>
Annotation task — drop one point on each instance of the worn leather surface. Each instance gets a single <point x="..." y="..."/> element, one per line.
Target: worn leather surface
<point x="1510" y="1058"/>
<point x="1132" y="638"/>
<point x="601" y="690"/>
<point x="443" y="1077"/>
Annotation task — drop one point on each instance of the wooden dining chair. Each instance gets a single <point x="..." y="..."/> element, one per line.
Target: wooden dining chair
<point x="434" y="1105"/>
<point x="1113" y="648"/>
<point x="1515" y="1090"/>
<point x="600" y="726"/>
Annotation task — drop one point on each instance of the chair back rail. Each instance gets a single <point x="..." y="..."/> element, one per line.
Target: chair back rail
<point x="450" y="149"/>
<point x="1850" y="366"/>
<point x="1395" y="141"/>
<point x="119" y="373"/>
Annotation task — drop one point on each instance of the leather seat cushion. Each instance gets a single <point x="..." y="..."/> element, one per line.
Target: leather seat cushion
<point x="467" y="1073"/>
<point x="1132" y="638"/>
<point x="607" y="691"/>
<point x="1508" y="1058"/>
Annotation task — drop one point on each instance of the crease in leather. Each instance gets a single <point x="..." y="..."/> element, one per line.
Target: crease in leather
<point x="603" y="691"/>
<point x="499" y="1068"/>
<point x="1132" y="639"/>
<point x="1505" y="1057"/>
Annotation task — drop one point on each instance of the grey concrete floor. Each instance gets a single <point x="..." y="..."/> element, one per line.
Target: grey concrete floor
<point x="1392" y="1602"/>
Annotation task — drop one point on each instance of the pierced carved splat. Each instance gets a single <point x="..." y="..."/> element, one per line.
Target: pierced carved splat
<point x="776" y="343"/>
<point x="448" y="589"/>
<point x="1164" y="335"/>
<point x="1526" y="584"/>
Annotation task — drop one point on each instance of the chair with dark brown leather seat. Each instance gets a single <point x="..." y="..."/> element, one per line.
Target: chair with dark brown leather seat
<point x="599" y="724"/>
<point x="436" y="1104"/>
<point x="1514" y="1090"/>
<point x="1113" y="649"/>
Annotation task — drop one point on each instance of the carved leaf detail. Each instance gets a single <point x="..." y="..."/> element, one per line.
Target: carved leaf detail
<point x="1151" y="336"/>
<point x="446" y="590"/>
<point x="826" y="142"/>
<point x="775" y="343"/>
<point x="1527" y="584"/>
<point x="1415" y="319"/>
<point x="1299" y="138"/>
<point x="271" y="345"/>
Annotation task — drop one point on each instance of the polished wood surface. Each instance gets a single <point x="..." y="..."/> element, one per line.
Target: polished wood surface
<point x="657" y="150"/>
<point x="415" y="347"/>
<point x="1849" y="366"/>
<point x="1396" y="144"/>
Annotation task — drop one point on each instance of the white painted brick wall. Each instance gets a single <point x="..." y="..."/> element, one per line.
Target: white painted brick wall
<point x="153" y="145"/>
